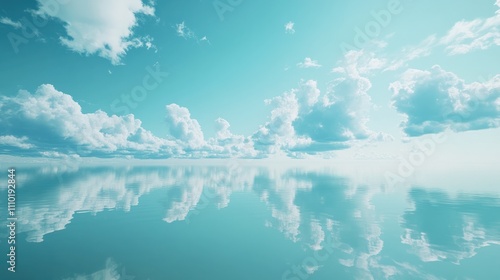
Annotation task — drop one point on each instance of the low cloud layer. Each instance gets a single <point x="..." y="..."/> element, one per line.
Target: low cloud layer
<point x="302" y="121"/>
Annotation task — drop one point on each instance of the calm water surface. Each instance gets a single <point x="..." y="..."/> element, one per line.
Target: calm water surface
<point x="250" y="222"/>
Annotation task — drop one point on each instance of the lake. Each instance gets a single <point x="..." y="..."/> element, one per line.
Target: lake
<point x="241" y="220"/>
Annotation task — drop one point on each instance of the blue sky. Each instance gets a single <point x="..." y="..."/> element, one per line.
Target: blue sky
<point x="247" y="79"/>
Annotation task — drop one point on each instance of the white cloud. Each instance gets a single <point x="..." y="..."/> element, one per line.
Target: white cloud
<point x="289" y="28"/>
<point x="222" y="129"/>
<point x="305" y="121"/>
<point x="184" y="31"/>
<point x="226" y="144"/>
<point x="61" y="125"/>
<point x="205" y="39"/>
<point x="463" y="37"/>
<point x="347" y="262"/>
<point x="98" y="27"/>
<point x="408" y="54"/>
<point x="58" y="127"/>
<point x="435" y="100"/>
<point x="356" y="64"/>
<point x="309" y="63"/>
<point x="183" y="128"/>
<point x="13" y="141"/>
<point x="381" y="137"/>
<point x="8" y="21"/>
<point x="466" y="36"/>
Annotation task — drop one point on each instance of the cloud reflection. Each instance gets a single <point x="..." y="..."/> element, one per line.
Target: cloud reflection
<point x="445" y="228"/>
<point x="316" y="209"/>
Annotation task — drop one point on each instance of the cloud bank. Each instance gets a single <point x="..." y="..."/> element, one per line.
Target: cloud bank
<point x="302" y="121"/>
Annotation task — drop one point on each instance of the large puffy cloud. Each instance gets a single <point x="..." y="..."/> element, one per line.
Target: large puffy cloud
<point x="435" y="100"/>
<point x="183" y="127"/>
<point x="54" y="122"/>
<point x="305" y="120"/>
<point x="98" y="27"/>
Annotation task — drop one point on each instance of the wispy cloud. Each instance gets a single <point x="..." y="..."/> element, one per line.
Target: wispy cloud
<point x="8" y="21"/>
<point x="466" y="36"/>
<point x="463" y="37"/>
<point x="408" y="54"/>
<point x="185" y="32"/>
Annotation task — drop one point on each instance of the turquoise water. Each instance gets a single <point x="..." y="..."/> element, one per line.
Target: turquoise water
<point x="251" y="222"/>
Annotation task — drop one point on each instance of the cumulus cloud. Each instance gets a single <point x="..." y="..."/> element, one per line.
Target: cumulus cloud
<point x="183" y="128"/>
<point x="98" y="27"/>
<point x="222" y="129"/>
<point x="435" y="100"/>
<point x="226" y="144"/>
<point x="289" y="27"/>
<point x="305" y="121"/>
<point x="54" y="122"/>
<point x="50" y="123"/>
<point x="309" y="63"/>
